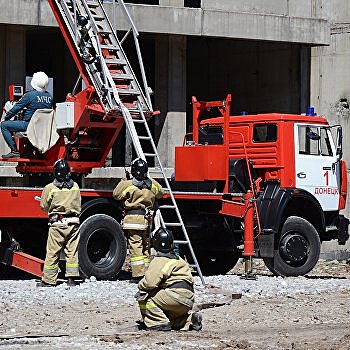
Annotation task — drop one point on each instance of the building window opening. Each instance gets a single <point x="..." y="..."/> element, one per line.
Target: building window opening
<point x="193" y="3"/>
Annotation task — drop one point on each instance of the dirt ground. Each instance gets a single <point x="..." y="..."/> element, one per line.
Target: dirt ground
<point x="273" y="316"/>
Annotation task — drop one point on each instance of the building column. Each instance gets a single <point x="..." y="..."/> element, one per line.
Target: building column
<point x="13" y="59"/>
<point x="170" y="95"/>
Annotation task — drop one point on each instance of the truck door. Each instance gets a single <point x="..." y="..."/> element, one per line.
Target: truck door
<point x="317" y="169"/>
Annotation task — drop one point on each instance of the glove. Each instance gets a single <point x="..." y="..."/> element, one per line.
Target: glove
<point x="8" y="106"/>
<point x="141" y="295"/>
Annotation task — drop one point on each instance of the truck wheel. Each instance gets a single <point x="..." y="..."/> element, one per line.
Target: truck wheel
<point x="216" y="263"/>
<point x="298" y="248"/>
<point x="102" y="247"/>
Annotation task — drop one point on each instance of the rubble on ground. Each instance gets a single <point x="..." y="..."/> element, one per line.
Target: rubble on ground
<point x="102" y="314"/>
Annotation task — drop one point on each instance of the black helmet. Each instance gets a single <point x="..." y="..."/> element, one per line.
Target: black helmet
<point x="61" y="170"/>
<point x="163" y="240"/>
<point x="139" y="169"/>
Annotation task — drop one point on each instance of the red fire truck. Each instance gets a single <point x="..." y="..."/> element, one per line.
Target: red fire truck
<point x="291" y="165"/>
<point x="268" y="185"/>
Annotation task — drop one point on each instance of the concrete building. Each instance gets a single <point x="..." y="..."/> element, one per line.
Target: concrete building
<point x="272" y="55"/>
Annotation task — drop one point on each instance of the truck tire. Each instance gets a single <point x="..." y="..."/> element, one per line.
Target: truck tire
<point x="298" y="248"/>
<point x="102" y="247"/>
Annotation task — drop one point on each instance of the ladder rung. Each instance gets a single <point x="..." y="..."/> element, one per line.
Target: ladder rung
<point x="128" y="92"/>
<point x="108" y="47"/>
<point x="92" y="4"/>
<point x="145" y="138"/>
<point x="150" y="154"/>
<point x="174" y="224"/>
<point x="138" y="121"/>
<point x="166" y="206"/>
<point x="193" y="265"/>
<point x="180" y="242"/>
<point x="103" y="31"/>
<point x="122" y="76"/>
<point x="98" y="18"/>
<point x="115" y="61"/>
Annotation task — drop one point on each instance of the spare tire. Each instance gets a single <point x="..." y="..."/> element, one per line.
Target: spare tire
<point x="102" y="247"/>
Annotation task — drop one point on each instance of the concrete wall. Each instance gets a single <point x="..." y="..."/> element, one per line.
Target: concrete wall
<point x="291" y="8"/>
<point x="254" y="24"/>
<point x="334" y="10"/>
<point x="330" y="77"/>
<point x="170" y="96"/>
<point x="330" y="82"/>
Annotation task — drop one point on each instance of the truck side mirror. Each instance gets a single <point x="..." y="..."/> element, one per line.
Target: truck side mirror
<point x="340" y="142"/>
<point x="313" y="135"/>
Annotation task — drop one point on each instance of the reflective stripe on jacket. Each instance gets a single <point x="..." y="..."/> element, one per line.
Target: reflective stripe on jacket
<point x="163" y="272"/>
<point x="63" y="201"/>
<point x="137" y="199"/>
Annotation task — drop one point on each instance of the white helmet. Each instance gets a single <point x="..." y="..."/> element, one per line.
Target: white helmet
<point x="40" y="81"/>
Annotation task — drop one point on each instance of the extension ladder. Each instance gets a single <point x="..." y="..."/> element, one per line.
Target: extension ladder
<point x="118" y="88"/>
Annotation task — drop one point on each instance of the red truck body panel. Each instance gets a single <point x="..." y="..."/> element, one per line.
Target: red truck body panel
<point x="271" y="160"/>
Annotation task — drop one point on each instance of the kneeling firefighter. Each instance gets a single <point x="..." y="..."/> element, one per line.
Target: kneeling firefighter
<point x="166" y="293"/>
<point x="61" y="199"/>
<point x="139" y="195"/>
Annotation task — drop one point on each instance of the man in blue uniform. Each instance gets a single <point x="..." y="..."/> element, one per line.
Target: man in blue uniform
<point x="38" y="98"/>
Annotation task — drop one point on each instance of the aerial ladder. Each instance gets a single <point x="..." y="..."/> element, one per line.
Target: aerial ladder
<point x="112" y="96"/>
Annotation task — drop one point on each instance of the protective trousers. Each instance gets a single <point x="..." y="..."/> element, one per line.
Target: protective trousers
<point x="139" y="251"/>
<point x="61" y="236"/>
<point x="165" y="307"/>
<point x="10" y="126"/>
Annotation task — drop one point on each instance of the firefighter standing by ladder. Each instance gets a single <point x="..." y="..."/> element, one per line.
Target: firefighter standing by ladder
<point x="61" y="199"/>
<point x="139" y="195"/>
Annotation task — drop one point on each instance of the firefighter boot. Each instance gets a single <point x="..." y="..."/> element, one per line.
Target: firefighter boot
<point x="165" y="327"/>
<point x="71" y="282"/>
<point x="196" y="322"/>
<point x="135" y="279"/>
<point x="44" y="284"/>
<point x="141" y="325"/>
<point x="13" y="154"/>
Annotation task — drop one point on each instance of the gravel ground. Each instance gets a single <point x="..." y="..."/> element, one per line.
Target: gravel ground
<point x="311" y="312"/>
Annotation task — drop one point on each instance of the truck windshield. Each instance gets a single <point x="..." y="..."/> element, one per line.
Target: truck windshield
<point x="308" y="144"/>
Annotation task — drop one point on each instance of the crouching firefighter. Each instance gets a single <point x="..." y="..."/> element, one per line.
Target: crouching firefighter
<point x="61" y="199"/>
<point x="166" y="292"/>
<point x="139" y="195"/>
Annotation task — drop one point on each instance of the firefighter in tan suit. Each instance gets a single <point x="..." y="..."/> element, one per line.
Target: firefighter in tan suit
<point x="166" y="291"/>
<point x="61" y="199"/>
<point x="139" y="195"/>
